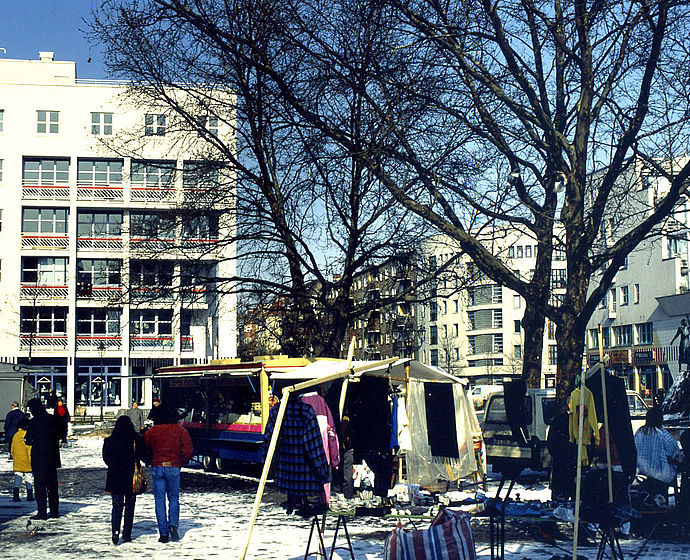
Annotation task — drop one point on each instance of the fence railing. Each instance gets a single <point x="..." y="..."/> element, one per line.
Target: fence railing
<point x="48" y="192"/>
<point x="30" y="241"/>
<point x="148" y="244"/>
<point x="187" y="343"/>
<point x="138" y="342"/>
<point x="96" y="342"/>
<point x="39" y="292"/>
<point x="99" y="244"/>
<point x="99" y="192"/>
<point x="42" y="341"/>
<point x="152" y="194"/>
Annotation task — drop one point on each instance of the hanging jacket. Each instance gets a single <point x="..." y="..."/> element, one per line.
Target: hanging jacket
<point x="619" y="418"/>
<point x="327" y="427"/>
<point x="301" y="468"/>
<point x="590" y="426"/>
<point x="21" y="452"/>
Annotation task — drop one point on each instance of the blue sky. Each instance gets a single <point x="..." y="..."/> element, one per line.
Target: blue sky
<point x="29" y="26"/>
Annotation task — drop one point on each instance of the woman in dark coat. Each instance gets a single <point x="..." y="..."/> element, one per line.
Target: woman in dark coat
<point x="120" y="452"/>
<point x="44" y="439"/>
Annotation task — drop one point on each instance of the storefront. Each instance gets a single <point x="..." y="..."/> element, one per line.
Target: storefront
<point x="98" y="383"/>
<point x="53" y="377"/>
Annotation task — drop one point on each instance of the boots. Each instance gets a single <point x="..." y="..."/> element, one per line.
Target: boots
<point x="29" y="494"/>
<point x="15" y="495"/>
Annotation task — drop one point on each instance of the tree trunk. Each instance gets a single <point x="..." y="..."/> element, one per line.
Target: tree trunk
<point x="533" y="326"/>
<point x="571" y="342"/>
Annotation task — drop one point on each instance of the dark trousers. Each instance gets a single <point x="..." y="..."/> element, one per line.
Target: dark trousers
<point x="46" y="482"/>
<point x="126" y="501"/>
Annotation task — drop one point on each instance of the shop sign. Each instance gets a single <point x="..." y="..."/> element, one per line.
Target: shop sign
<point x="620" y="356"/>
<point x="643" y="356"/>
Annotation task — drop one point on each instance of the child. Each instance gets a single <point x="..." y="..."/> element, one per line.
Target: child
<point x="21" y="456"/>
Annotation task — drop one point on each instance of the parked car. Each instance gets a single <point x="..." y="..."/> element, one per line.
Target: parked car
<point x="480" y="394"/>
<point x="502" y="450"/>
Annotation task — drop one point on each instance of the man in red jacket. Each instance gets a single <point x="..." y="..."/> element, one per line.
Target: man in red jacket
<point x="171" y="447"/>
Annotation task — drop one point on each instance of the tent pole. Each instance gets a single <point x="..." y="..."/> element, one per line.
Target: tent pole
<point x="276" y="430"/>
<point x="264" y="471"/>
<point x="606" y="415"/>
<point x="578" y="480"/>
<point x="343" y="389"/>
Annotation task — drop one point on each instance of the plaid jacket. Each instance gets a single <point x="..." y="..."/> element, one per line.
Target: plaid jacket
<point x="301" y="468"/>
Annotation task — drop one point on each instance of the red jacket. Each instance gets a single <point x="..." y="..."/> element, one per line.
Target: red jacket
<point x="170" y="445"/>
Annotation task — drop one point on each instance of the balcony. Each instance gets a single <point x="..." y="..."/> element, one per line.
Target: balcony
<point x="151" y="244"/>
<point x="199" y="245"/>
<point x="194" y="295"/>
<point x="152" y="194"/>
<point x="37" y="241"/>
<point x="187" y="343"/>
<point x="99" y="192"/>
<point x="98" y="342"/>
<point x="42" y="341"/>
<point x="52" y="192"/>
<point x="151" y="342"/>
<point x="99" y="244"/>
<point x="102" y="293"/>
<point x="38" y="292"/>
<point x="151" y="293"/>
<point x="201" y="195"/>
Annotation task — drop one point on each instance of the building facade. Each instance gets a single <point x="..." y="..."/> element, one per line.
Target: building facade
<point x="472" y="325"/>
<point x="98" y="264"/>
<point x="649" y="297"/>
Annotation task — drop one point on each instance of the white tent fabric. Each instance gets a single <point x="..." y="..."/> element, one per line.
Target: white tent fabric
<point x="422" y="467"/>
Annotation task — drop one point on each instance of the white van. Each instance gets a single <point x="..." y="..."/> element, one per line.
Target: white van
<point x="503" y="452"/>
<point x="480" y="394"/>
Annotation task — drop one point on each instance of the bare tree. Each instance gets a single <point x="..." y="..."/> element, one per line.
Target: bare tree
<point x="529" y="115"/>
<point x="476" y="117"/>
<point x="304" y="213"/>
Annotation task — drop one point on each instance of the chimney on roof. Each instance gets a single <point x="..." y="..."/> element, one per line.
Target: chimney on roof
<point x="46" y="56"/>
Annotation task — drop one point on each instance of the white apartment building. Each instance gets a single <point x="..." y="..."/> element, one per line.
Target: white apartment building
<point x="89" y="262"/>
<point x="649" y="297"/>
<point x="472" y="327"/>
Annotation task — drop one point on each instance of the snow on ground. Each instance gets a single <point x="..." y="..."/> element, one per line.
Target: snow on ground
<point x="214" y="514"/>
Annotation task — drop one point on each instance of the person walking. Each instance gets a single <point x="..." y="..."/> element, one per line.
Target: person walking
<point x="121" y="451"/>
<point x="136" y="415"/>
<point x="170" y="447"/>
<point x="62" y="418"/>
<point x="21" y="463"/>
<point x="12" y="420"/>
<point x="156" y="412"/>
<point x="42" y="435"/>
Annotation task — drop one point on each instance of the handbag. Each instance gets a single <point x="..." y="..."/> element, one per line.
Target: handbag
<point x="448" y="538"/>
<point x="138" y="478"/>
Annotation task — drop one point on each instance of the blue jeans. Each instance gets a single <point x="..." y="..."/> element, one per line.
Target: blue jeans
<point x="166" y="481"/>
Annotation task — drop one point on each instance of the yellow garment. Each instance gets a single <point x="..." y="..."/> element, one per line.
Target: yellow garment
<point x="590" y="426"/>
<point x="21" y="453"/>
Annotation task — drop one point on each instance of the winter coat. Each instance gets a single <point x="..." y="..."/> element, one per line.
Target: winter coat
<point x="12" y="420"/>
<point x="44" y="438"/>
<point x="136" y="415"/>
<point x="120" y="455"/>
<point x="21" y="453"/>
<point x="170" y="445"/>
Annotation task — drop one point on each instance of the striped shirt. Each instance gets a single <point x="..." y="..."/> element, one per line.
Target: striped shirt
<point x="654" y="450"/>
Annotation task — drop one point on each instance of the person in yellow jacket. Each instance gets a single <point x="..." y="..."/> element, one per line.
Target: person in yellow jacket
<point x="21" y="463"/>
<point x="590" y="425"/>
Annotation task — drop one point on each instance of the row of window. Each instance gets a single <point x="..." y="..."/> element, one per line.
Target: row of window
<point x="639" y="334"/>
<point x="110" y="172"/>
<point x="101" y="123"/>
<point x="105" y="224"/>
<point x="99" y="321"/>
<point x="52" y="271"/>
<point x="611" y="299"/>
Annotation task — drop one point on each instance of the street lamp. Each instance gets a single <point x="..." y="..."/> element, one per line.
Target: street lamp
<point x="101" y="379"/>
